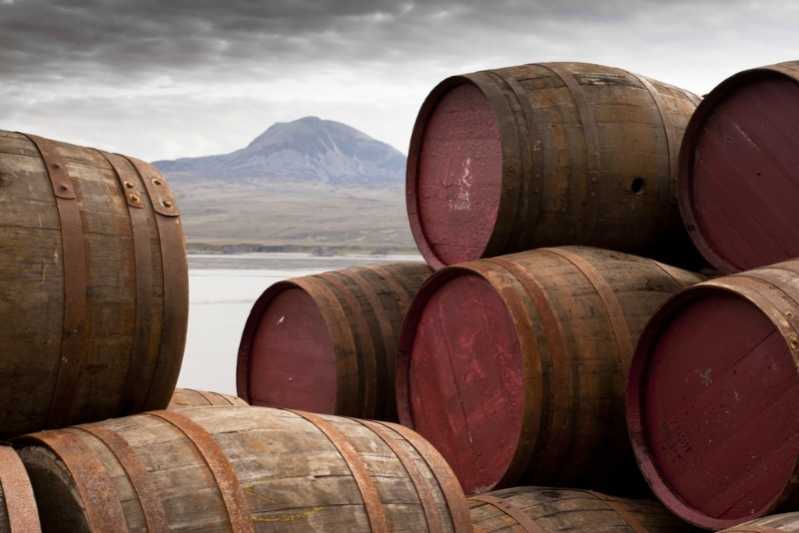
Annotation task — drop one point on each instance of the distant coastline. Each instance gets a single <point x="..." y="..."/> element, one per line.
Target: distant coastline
<point x="237" y="248"/>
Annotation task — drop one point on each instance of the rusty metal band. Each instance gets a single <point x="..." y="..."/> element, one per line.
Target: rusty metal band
<point x="522" y="121"/>
<point x="627" y="517"/>
<point x="208" y="398"/>
<point x="103" y="509"/>
<point x="222" y="471"/>
<point x="367" y="366"/>
<point x="223" y="399"/>
<point x="386" y="362"/>
<point x="554" y="338"/>
<point x="423" y="490"/>
<point x="131" y="186"/>
<point x="17" y="496"/>
<point x="667" y="270"/>
<point x="447" y="481"/>
<point x="672" y="144"/>
<point x="403" y="295"/>
<point x="174" y="272"/>
<point x="74" y="336"/>
<point x="375" y="512"/>
<point x="520" y="517"/>
<point x="618" y="322"/>
<point x="591" y="132"/>
<point x="140" y="479"/>
<point x="347" y="364"/>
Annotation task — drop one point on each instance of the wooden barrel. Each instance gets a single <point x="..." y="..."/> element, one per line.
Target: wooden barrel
<point x="327" y="343"/>
<point x="242" y="469"/>
<point x="552" y="510"/>
<point x="93" y="285"/>
<point x="514" y="367"/>
<point x="738" y="170"/>
<point x="18" y="511"/>
<point x="712" y="396"/>
<point x="769" y="524"/>
<point x="548" y="154"/>
<point x="200" y="398"/>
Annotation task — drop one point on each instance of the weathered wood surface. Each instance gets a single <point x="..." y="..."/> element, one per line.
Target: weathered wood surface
<point x="515" y="367"/>
<point x="548" y="154"/>
<point x="242" y="469"/>
<point x="18" y="511"/>
<point x="200" y="398"/>
<point x="738" y="178"/>
<point x="553" y="510"/>
<point x="786" y="522"/>
<point x="712" y="396"/>
<point x="327" y="343"/>
<point x="93" y="292"/>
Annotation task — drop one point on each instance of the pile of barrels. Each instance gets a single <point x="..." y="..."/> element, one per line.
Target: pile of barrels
<point x="605" y="336"/>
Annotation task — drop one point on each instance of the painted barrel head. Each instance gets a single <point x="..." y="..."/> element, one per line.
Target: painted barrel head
<point x="289" y="353"/>
<point x="464" y="371"/>
<point x="454" y="182"/>
<point x="739" y="171"/>
<point x="712" y="408"/>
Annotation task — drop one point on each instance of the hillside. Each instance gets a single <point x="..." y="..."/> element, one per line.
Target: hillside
<point x="310" y="184"/>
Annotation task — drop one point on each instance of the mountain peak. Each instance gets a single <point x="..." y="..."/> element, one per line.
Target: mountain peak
<point x="309" y="149"/>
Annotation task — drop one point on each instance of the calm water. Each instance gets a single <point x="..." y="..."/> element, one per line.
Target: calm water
<point x="221" y="291"/>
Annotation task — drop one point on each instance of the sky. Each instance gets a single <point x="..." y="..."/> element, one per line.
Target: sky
<point x="178" y="78"/>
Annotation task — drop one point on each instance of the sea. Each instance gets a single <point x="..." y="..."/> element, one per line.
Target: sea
<point x="222" y="290"/>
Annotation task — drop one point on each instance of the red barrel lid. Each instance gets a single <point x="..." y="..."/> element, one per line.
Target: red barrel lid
<point x="287" y="357"/>
<point x="739" y="171"/>
<point x="454" y="178"/>
<point x="460" y="381"/>
<point x="711" y="408"/>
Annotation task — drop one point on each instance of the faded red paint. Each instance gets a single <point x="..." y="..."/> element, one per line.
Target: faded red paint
<point x="292" y="363"/>
<point x="742" y="185"/>
<point x="459" y="181"/>
<point x="466" y="380"/>
<point x="718" y="395"/>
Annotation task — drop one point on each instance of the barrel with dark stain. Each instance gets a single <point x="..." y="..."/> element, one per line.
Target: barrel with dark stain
<point x="553" y="510"/>
<point x="548" y="154"/>
<point x="18" y="511"/>
<point x="200" y="398"/>
<point x="739" y="170"/>
<point x="241" y="470"/>
<point x="781" y="523"/>
<point x="93" y="285"/>
<point x="711" y="402"/>
<point x="327" y="343"/>
<point x="514" y="367"/>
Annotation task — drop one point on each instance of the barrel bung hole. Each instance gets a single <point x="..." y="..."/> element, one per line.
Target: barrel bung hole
<point x="637" y="185"/>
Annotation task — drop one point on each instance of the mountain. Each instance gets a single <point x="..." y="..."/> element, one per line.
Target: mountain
<point x="308" y="150"/>
<point x="307" y="185"/>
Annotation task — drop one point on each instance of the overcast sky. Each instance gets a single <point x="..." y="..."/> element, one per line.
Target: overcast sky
<point x="195" y="77"/>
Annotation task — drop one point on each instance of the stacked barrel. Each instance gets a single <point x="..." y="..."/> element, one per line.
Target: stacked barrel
<point x="556" y="354"/>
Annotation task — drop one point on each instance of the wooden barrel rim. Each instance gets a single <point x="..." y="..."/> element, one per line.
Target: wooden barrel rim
<point x="338" y="330"/>
<point x="357" y="467"/>
<point x="138" y="476"/>
<point x="634" y="405"/>
<point x="18" y="497"/>
<point x="520" y="517"/>
<point x="76" y="279"/>
<point x="687" y="154"/>
<point x="103" y="510"/>
<point x="219" y="466"/>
